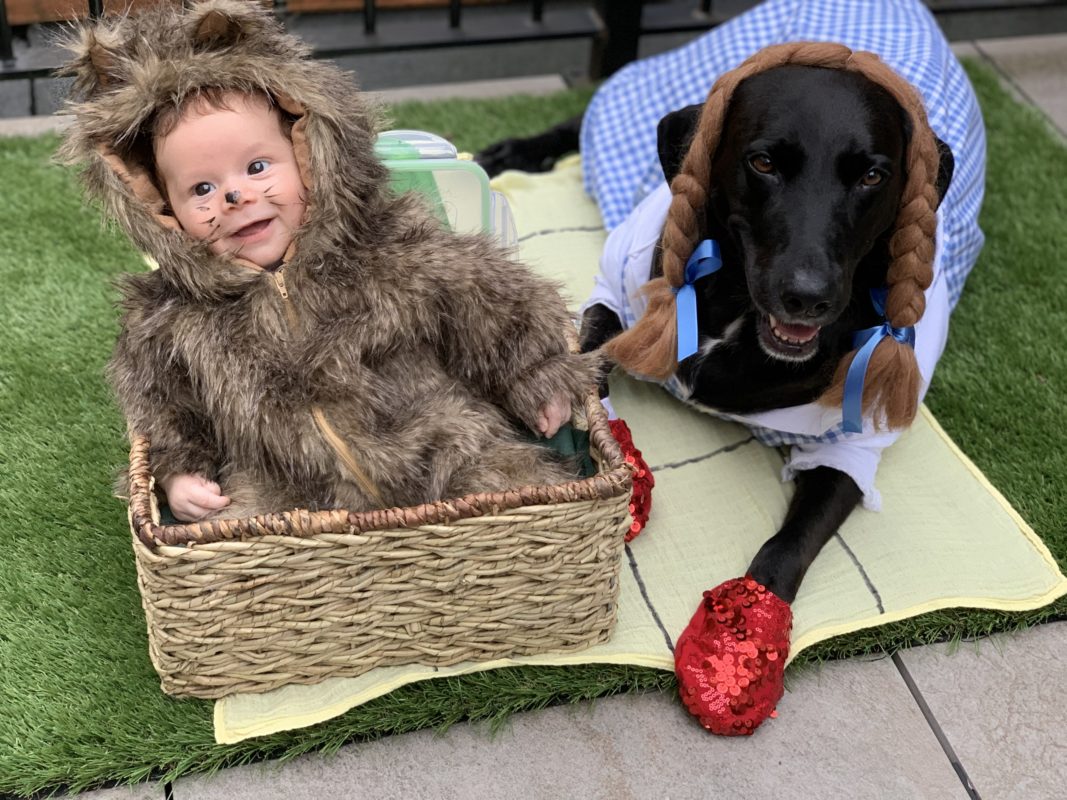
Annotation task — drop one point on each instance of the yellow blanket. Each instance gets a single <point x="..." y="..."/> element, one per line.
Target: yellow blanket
<point x="945" y="536"/>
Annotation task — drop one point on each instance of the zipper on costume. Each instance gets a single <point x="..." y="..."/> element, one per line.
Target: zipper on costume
<point x="290" y="312"/>
<point x="279" y="281"/>
<point x="333" y="440"/>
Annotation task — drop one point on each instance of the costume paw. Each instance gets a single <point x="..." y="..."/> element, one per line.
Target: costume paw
<point x="641" y="499"/>
<point x="730" y="659"/>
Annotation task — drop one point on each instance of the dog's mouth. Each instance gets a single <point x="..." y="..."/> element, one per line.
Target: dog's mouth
<point x="787" y="341"/>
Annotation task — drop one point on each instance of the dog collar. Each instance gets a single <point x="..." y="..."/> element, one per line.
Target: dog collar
<point x="866" y="340"/>
<point x="705" y="260"/>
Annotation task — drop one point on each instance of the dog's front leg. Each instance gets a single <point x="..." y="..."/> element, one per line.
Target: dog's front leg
<point x="599" y="323"/>
<point x="729" y="659"/>
<point x="823" y="500"/>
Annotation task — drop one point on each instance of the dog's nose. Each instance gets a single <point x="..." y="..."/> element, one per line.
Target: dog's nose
<point x="807" y="295"/>
<point x="804" y="306"/>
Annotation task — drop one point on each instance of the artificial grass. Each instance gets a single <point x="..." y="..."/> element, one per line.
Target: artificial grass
<point x="79" y="702"/>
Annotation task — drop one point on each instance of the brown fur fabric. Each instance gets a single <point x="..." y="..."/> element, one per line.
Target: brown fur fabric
<point x="415" y="345"/>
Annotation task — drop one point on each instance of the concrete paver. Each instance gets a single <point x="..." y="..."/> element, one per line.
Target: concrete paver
<point x="481" y="90"/>
<point x="1037" y="66"/>
<point x="34" y="126"/>
<point x="478" y="90"/>
<point x="849" y="729"/>
<point x="1000" y="702"/>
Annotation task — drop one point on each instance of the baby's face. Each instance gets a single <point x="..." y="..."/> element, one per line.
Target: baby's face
<point x="231" y="178"/>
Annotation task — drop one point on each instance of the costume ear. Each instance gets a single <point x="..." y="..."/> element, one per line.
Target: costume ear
<point x="673" y="135"/>
<point x="94" y="63"/>
<point x="945" y="168"/>
<point x="217" y="29"/>
<point x="102" y="61"/>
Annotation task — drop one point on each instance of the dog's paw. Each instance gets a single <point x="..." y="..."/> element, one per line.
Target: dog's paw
<point x="521" y="154"/>
<point x="730" y="659"/>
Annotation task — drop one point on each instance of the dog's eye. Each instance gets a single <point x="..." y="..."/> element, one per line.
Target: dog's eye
<point x="873" y="177"/>
<point x="762" y="163"/>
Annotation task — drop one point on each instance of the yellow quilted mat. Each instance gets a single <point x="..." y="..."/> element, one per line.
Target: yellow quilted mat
<point x="944" y="538"/>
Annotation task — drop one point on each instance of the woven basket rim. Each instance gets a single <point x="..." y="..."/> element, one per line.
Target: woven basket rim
<point x="616" y="478"/>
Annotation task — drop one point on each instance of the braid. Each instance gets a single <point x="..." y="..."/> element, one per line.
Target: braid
<point x="893" y="381"/>
<point x="650" y="347"/>
<point x="891" y="388"/>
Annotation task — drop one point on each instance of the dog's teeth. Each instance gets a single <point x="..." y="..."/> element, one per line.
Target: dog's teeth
<point x="782" y="335"/>
<point x="778" y="332"/>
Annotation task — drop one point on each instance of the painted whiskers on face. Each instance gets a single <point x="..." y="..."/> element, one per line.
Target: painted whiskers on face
<point x="279" y="219"/>
<point x="273" y="199"/>
<point x="300" y="201"/>
<point x="233" y="180"/>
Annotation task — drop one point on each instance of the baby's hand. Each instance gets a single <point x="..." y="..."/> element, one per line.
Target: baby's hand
<point x="553" y="414"/>
<point x="193" y="497"/>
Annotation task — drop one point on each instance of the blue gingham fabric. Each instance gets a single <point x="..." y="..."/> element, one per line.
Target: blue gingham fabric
<point x="621" y="170"/>
<point x="618" y="138"/>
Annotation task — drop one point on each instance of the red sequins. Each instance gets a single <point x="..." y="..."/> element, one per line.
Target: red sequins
<point x="641" y="499"/>
<point x="730" y="658"/>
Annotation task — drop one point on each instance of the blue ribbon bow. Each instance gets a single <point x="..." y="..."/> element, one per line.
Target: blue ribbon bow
<point x="866" y="340"/>
<point x="705" y="260"/>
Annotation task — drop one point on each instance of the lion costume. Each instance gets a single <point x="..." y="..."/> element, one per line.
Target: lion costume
<point x="380" y="364"/>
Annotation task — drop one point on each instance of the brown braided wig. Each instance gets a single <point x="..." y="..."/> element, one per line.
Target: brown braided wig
<point x="891" y="388"/>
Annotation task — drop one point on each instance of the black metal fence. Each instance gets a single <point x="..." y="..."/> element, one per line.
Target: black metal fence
<point x="614" y="27"/>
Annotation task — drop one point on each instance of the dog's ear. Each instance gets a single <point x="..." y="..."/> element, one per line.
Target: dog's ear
<point x="945" y="168"/>
<point x="673" y="135"/>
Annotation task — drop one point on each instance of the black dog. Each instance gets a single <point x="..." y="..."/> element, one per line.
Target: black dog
<point x="805" y="188"/>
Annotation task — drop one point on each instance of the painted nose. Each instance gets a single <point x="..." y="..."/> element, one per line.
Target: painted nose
<point x="233" y="198"/>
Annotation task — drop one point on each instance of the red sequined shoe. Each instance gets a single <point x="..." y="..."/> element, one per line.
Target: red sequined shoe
<point x="730" y="659"/>
<point x="641" y="499"/>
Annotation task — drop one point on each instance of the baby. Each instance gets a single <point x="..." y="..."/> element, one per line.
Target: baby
<point x="230" y="177"/>
<point x="310" y="340"/>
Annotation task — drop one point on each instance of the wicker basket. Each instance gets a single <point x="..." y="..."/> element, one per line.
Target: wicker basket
<point x="248" y="605"/>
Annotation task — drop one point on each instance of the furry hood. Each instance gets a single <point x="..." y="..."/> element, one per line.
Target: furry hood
<point x="128" y="68"/>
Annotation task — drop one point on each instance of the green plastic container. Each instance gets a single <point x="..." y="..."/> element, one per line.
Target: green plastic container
<point x="457" y="189"/>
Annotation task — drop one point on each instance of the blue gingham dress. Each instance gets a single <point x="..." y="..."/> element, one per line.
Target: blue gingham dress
<point x="621" y="164"/>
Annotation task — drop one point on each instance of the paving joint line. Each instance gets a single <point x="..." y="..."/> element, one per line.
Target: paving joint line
<point x="1017" y="88"/>
<point x="935" y="726"/>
